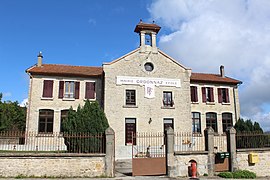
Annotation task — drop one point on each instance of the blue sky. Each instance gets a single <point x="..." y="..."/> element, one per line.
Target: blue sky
<point x="199" y="34"/>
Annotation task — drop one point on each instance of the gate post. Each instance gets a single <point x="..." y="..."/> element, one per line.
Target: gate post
<point x="231" y="143"/>
<point x="110" y="152"/>
<point x="170" y="152"/>
<point x="209" y="146"/>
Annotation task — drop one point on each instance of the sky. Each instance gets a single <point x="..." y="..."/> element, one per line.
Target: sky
<point x="201" y="35"/>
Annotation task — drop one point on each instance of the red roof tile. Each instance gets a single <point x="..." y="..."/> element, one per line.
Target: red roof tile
<point x="212" y="78"/>
<point x="65" y="70"/>
<point x="145" y="26"/>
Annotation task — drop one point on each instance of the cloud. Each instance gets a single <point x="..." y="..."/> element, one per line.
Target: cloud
<point x="236" y="33"/>
<point x="24" y="103"/>
<point x="7" y="94"/>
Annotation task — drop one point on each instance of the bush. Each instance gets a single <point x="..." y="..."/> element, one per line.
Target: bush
<point x="240" y="174"/>
<point x="225" y="175"/>
<point x="244" y="174"/>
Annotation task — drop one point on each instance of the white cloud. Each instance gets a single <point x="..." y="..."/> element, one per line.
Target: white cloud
<point x="7" y="94"/>
<point x="24" y="103"/>
<point x="235" y="33"/>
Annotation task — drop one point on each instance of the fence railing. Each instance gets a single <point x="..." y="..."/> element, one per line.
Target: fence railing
<point x="247" y="140"/>
<point x="220" y="143"/>
<point x="53" y="142"/>
<point x="148" y="144"/>
<point x="188" y="141"/>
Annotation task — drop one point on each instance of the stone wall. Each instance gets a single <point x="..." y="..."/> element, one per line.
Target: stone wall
<point x="52" y="165"/>
<point x="261" y="168"/>
<point x="182" y="163"/>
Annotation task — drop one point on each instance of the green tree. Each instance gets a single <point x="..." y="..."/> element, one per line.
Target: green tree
<point x="12" y="116"/>
<point x="82" y="127"/>
<point x="247" y="126"/>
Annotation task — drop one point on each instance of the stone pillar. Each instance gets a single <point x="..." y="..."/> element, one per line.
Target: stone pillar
<point x="209" y="146"/>
<point x="142" y="43"/>
<point x="231" y="143"/>
<point x="154" y="42"/>
<point x="110" y="152"/>
<point x="170" y="152"/>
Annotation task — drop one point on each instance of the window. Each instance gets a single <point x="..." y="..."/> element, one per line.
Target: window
<point x="64" y="114"/>
<point x="131" y="97"/>
<point x="130" y="130"/>
<point x="211" y="120"/>
<point x="223" y="95"/>
<point x="167" y="99"/>
<point x="194" y="94"/>
<point x="47" y="89"/>
<point x="196" y="122"/>
<point x="148" y="66"/>
<point x="208" y="94"/>
<point x="45" y="121"/>
<point x="168" y="122"/>
<point x="226" y="121"/>
<point x="69" y="89"/>
<point x="90" y="90"/>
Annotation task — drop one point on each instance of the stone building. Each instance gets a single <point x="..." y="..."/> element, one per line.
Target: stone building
<point x="143" y="91"/>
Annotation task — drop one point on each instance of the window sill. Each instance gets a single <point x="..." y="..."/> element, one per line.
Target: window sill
<point x="130" y="106"/>
<point x="128" y="144"/>
<point x="194" y="102"/>
<point x="68" y="99"/>
<point x="223" y="103"/>
<point x="47" y="98"/>
<point x="167" y="107"/>
<point x="210" y="103"/>
<point x="45" y="134"/>
<point x="90" y="99"/>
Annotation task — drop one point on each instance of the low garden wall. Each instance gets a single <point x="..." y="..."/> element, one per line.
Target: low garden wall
<point x="261" y="168"/>
<point x="182" y="163"/>
<point x="51" y="165"/>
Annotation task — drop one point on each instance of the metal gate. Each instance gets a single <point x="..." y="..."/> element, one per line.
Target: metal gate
<point x="148" y="154"/>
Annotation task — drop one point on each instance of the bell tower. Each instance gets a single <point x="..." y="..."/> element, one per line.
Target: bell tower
<point x="148" y="34"/>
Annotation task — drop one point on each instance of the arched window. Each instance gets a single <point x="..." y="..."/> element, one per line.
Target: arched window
<point x="226" y="121"/>
<point x="211" y="120"/>
<point x="45" y="121"/>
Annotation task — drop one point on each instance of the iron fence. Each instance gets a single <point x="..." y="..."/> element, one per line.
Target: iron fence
<point x="247" y="140"/>
<point x="52" y="142"/>
<point x="188" y="141"/>
<point x="220" y="143"/>
<point x="149" y="144"/>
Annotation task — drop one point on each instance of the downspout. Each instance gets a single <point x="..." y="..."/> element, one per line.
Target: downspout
<point x="235" y="108"/>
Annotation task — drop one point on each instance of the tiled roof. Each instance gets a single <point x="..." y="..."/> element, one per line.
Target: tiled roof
<point x="65" y="70"/>
<point x="212" y="78"/>
<point x="145" y="26"/>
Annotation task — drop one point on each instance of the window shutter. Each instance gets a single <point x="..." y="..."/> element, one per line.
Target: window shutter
<point x="203" y="94"/>
<point x="227" y="96"/>
<point x="90" y="90"/>
<point x="195" y="94"/>
<point x="77" y="90"/>
<point x="47" y="88"/>
<point x="219" y="95"/>
<point x="61" y="89"/>
<point x="191" y="93"/>
<point x="212" y="95"/>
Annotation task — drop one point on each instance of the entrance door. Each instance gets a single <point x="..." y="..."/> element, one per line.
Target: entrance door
<point x="168" y="122"/>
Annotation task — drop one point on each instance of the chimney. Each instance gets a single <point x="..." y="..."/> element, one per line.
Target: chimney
<point x="222" y="72"/>
<point x="40" y="57"/>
